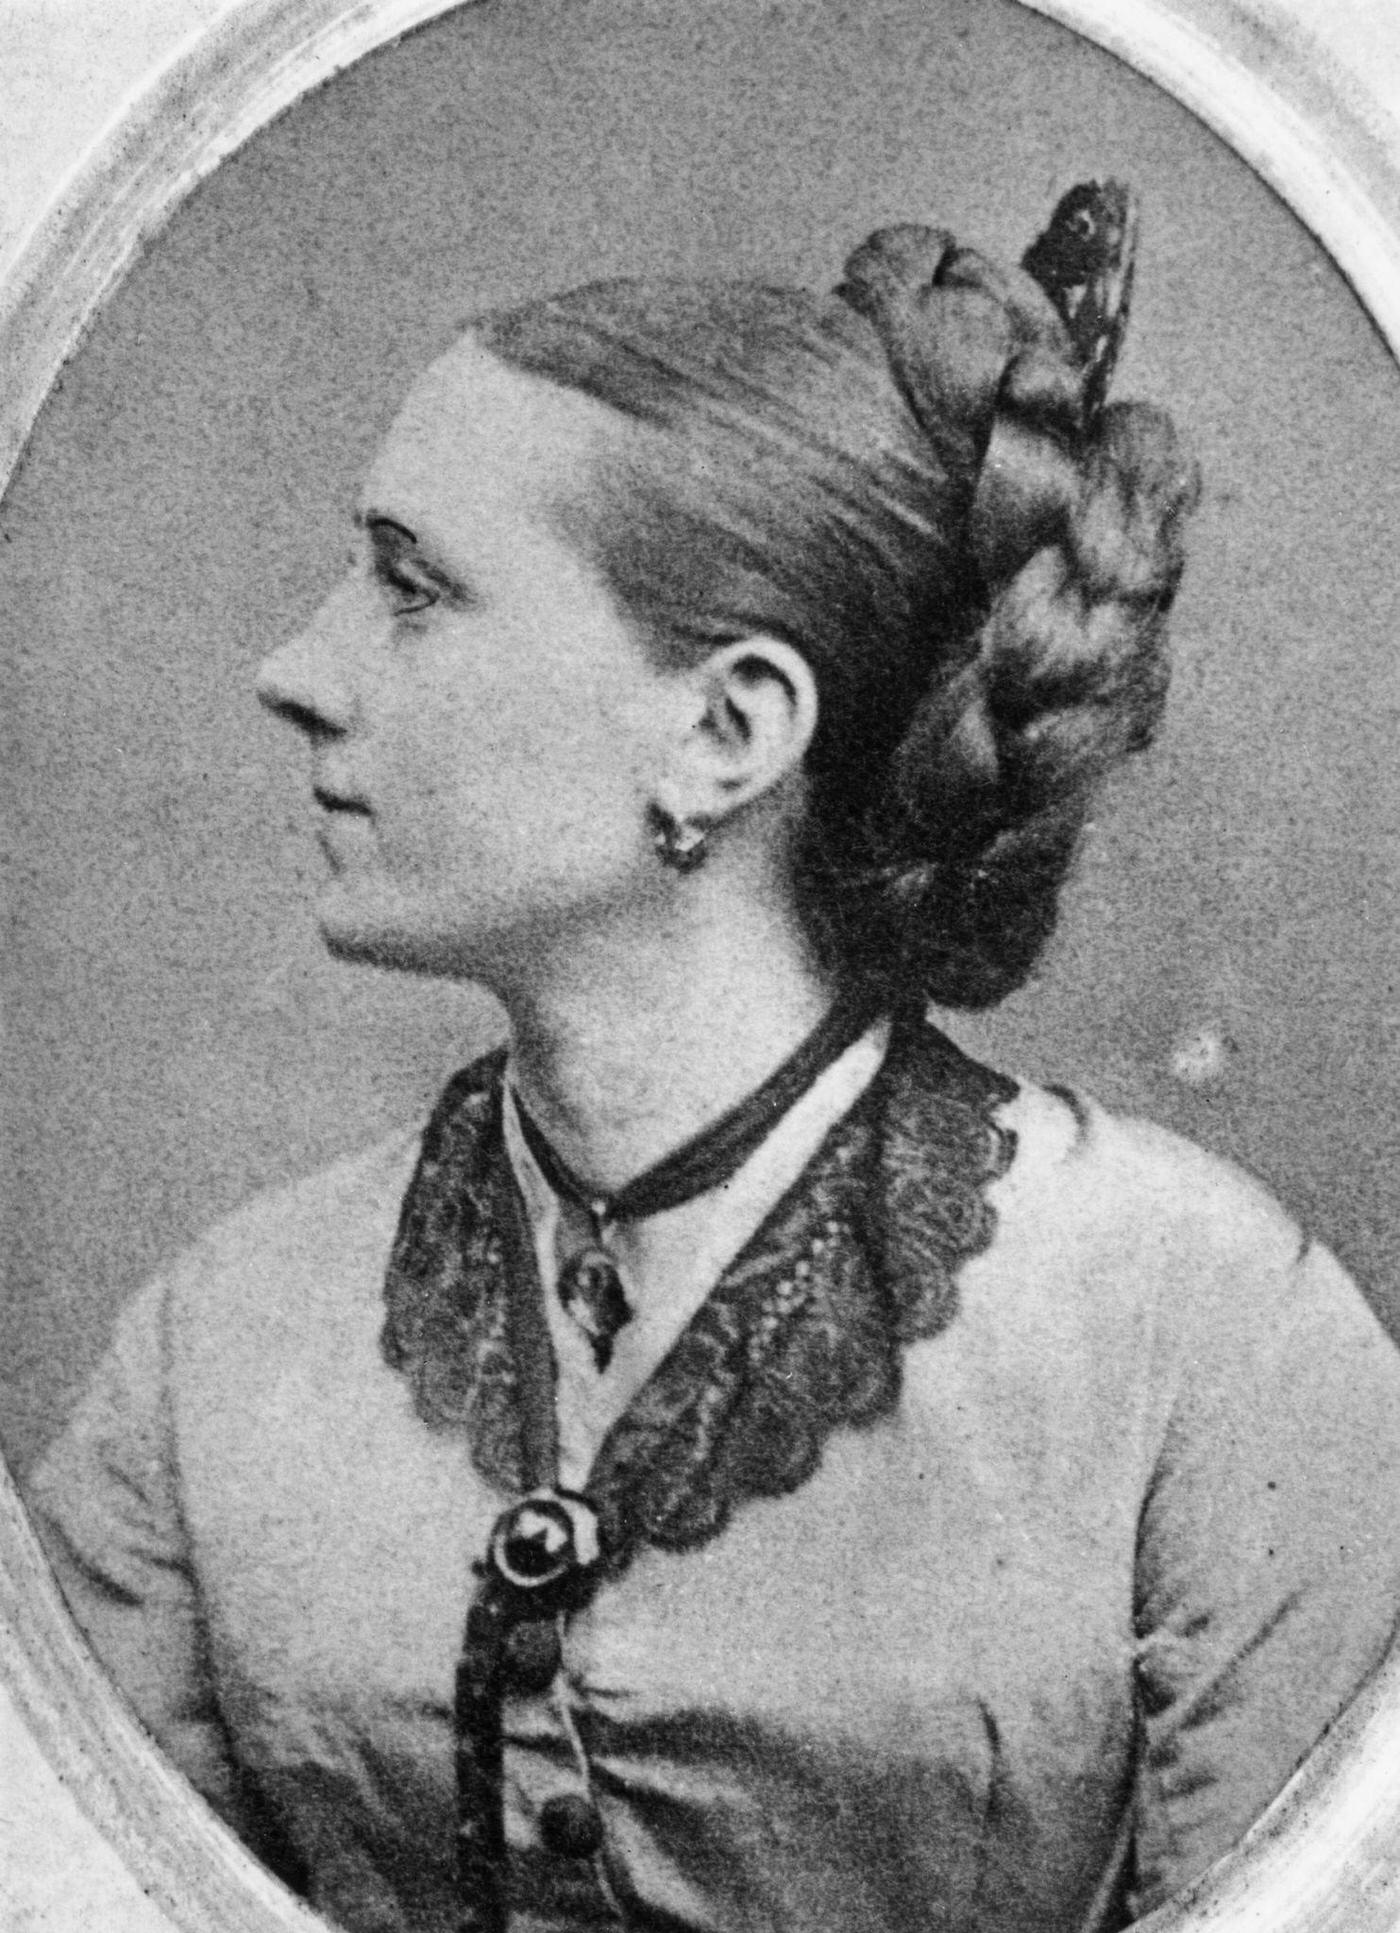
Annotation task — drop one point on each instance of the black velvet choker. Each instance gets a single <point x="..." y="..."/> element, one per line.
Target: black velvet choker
<point x="717" y="1152"/>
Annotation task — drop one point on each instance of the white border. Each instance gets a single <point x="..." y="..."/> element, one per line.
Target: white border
<point x="1327" y="1853"/>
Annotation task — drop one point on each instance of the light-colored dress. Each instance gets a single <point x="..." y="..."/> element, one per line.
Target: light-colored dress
<point x="998" y="1535"/>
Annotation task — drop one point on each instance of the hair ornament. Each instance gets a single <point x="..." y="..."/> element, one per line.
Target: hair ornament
<point x="1084" y="262"/>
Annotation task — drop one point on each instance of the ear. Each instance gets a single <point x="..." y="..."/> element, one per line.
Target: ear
<point x="756" y="712"/>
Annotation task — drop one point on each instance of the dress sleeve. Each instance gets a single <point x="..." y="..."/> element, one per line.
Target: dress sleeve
<point x="104" y="1501"/>
<point x="1269" y="1553"/>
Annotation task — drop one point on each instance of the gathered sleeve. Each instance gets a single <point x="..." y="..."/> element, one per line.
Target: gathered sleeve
<point x="105" y="1502"/>
<point x="1269" y="1546"/>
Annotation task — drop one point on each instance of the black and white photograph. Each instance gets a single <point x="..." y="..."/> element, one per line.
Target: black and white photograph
<point x="703" y="986"/>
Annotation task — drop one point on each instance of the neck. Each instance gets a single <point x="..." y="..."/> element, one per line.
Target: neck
<point x="627" y="1056"/>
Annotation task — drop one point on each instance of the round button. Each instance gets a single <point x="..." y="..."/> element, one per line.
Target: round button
<point x="532" y="1654"/>
<point x="570" y="1826"/>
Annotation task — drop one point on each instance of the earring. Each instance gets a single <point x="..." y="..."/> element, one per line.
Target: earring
<point x="679" y="843"/>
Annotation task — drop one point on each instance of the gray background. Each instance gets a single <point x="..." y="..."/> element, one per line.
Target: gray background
<point x="175" y="1038"/>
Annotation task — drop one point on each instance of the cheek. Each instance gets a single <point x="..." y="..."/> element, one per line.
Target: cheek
<point x="539" y="782"/>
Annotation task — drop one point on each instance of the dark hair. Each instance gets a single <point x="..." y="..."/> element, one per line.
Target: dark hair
<point x="903" y="481"/>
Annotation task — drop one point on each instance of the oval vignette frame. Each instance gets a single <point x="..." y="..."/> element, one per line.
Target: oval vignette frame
<point x="1327" y="1852"/>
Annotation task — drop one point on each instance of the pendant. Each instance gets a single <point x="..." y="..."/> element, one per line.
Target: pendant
<point x="591" y="1291"/>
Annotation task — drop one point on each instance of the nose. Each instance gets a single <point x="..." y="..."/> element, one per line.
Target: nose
<point x="304" y="680"/>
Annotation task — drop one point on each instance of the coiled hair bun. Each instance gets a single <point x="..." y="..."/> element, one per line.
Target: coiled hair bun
<point x="914" y="480"/>
<point x="1074" y="516"/>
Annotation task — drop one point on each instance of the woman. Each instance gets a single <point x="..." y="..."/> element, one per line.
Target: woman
<point x="744" y="1464"/>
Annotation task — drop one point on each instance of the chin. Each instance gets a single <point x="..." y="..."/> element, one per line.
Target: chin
<point x="511" y="949"/>
<point x="362" y="930"/>
<point x="394" y="953"/>
<point x="364" y="936"/>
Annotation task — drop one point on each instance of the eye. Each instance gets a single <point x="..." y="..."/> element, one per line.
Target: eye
<point x="406" y="592"/>
<point x="408" y="579"/>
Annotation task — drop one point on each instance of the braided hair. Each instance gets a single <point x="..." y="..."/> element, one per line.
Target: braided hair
<point x="913" y="481"/>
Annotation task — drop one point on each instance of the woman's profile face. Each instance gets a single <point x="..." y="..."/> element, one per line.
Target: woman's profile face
<point x="485" y="727"/>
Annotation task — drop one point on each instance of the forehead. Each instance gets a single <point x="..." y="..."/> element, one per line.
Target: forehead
<point x="477" y="441"/>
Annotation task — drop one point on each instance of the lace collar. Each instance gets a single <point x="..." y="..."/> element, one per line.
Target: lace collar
<point x="802" y="1334"/>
